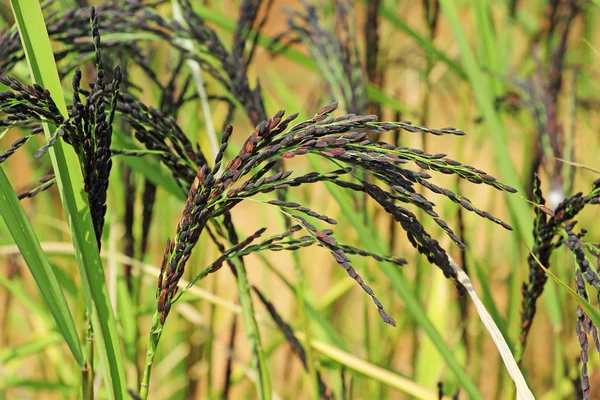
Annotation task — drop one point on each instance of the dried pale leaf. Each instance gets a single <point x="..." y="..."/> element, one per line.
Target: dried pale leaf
<point x="523" y="391"/>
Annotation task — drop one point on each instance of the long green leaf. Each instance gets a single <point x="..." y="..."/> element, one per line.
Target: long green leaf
<point x="38" y="50"/>
<point x="484" y="98"/>
<point x="393" y="18"/>
<point x="29" y="246"/>
<point x="259" y="362"/>
<point x="585" y="305"/>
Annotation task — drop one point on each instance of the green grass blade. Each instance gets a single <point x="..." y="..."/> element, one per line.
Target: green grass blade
<point x="484" y="97"/>
<point x="38" y="50"/>
<point x="259" y="361"/>
<point x="585" y="305"/>
<point x="29" y="247"/>
<point x="488" y="45"/>
<point x="29" y="348"/>
<point x="427" y="46"/>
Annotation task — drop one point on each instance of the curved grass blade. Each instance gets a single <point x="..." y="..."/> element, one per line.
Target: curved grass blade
<point x="523" y="392"/>
<point x="585" y="305"/>
<point x="484" y="97"/>
<point x="13" y="214"/>
<point x="29" y="348"/>
<point x="38" y="50"/>
<point x="424" y="43"/>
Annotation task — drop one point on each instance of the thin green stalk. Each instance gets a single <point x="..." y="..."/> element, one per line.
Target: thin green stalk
<point x="259" y="361"/>
<point x="88" y="370"/>
<point x="484" y="99"/>
<point x="155" y="334"/>
<point x="38" y="50"/>
<point x="301" y="292"/>
<point x="208" y="353"/>
<point x="29" y="247"/>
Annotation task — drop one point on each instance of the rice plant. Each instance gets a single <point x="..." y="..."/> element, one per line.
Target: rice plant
<point x="174" y="105"/>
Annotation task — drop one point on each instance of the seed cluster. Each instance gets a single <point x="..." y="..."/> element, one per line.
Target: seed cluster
<point x="10" y="49"/>
<point x="90" y="132"/>
<point x="335" y="52"/>
<point x="548" y="233"/>
<point x="342" y="139"/>
<point x="45" y="183"/>
<point x="88" y="129"/>
<point x="27" y="106"/>
<point x="584" y="273"/>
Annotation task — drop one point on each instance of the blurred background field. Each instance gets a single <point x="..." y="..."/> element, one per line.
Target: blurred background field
<point x="423" y="75"/>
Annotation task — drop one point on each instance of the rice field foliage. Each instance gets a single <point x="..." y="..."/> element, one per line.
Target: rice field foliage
<point x="169" y="231"/>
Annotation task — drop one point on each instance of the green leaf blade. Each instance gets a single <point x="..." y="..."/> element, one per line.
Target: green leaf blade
<point x="13" y="214"/>
<point x="38" y="50"/>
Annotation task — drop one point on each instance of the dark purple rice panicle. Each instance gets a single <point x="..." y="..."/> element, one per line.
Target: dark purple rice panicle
<point x="128" y="223"/>
<point x="292" y="340"/>
<point x="327" y="241"/>
<point x="70" y="28"/>
<point x="543" y="234"/>
<point x="336" y="53"/>
<point x="194" y="219"/>
<point x="583" y="328"/>
<point x="27" y="106"/>
<point x="584" y="273"/>
<point x="540" y="94"/>
<point x="10" y="49"/>
<point x="46" y="182"/>
<point x="416" y="234"/>
<point x="90" y="132"/>
<point x="343" y="140"/>
<point x="234" y="63"/>
<point x="549" y="227"/>
<point x="577" y="246"/>
<point x="248" y="29"/>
